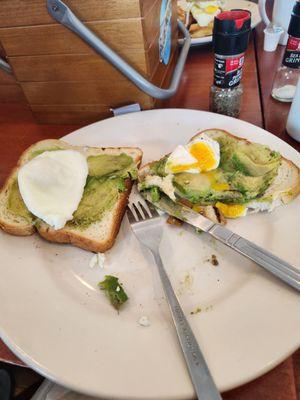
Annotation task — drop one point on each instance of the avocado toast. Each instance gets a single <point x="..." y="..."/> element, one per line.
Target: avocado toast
<point x="248" y="177"/>
<point x="97" y="220"/>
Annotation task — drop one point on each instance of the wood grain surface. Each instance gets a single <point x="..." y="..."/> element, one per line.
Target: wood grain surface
<point x="34" y="12"/>
<point x="10" y="90"/>
<point x="58" y="72"/>
<point x="123" y="35"/>
<point x="73" y="67"/>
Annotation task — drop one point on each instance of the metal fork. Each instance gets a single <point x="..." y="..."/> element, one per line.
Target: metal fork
<point x="147" y="224"/>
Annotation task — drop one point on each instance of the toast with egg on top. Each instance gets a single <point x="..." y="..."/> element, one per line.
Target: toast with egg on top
<point x="96" y="233"/>
<point x="198" y="15"/>
<point x="241" y="178"/>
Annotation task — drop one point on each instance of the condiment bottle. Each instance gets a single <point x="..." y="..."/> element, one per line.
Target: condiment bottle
<point x="293" y="122"/>
<point x="230" y="40"/>
<point x="286" y="78"/>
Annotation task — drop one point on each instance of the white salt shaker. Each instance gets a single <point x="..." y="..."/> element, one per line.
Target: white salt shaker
<point x="293" y="122"/>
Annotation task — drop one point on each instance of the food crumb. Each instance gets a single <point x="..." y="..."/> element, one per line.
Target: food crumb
<point x="196" y="311"/>
<point x="144" y="321"/>
<point x="98" y="260"/>
<point x="174" y="221"/>
<point x="214" y="260"/>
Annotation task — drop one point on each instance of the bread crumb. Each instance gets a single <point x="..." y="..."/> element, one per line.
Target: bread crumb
<point x="98" y="260"/>
<point x="144" y="321"/>
<point x="214" y="260"/>
<point x="196" y="311"/>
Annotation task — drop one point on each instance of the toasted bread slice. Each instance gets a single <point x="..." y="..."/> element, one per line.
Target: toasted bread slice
<point x="197" y="31"/>
<point x="286" y="185"/>
<point x="284" y="188"/>
<point x="10" y="222"/>
<point x="98" y="236"/>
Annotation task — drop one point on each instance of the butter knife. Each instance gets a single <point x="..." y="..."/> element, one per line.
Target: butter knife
<point x="280" y="268"/>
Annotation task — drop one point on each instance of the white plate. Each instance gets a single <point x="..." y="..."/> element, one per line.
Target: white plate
<point x="229" y="5"/>
<point x="56" y="320"/>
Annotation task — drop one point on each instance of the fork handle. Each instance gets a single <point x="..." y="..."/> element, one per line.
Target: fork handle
<point x="202" y="380"/>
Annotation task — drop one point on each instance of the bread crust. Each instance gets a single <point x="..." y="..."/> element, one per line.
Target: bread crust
<point x="7" y="225"/>
<point x="78" y="239"/>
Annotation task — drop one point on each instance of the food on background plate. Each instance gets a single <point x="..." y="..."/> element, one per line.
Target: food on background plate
<point x="198" y="15"/>
<point x="221" y="176"/>
<point x="69" y="194"/>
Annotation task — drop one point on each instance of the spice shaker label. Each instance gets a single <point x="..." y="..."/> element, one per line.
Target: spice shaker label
<point x="292" y="53"/>
<point x="228" y="70"/>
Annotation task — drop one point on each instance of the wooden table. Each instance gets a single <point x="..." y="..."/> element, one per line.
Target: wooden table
<point x="18" y="130"/>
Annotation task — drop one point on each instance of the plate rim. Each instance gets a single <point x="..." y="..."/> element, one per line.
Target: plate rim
<point x="43" y="371"/>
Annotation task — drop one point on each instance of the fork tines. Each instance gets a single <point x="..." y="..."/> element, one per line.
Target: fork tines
<point x="141" y="210"/>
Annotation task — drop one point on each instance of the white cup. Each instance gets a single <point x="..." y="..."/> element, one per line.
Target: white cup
<point x="281" y="16"/>
<point x="272" y="36"/>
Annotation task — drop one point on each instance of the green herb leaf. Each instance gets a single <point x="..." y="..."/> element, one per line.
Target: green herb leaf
<point x="114" y="291"/>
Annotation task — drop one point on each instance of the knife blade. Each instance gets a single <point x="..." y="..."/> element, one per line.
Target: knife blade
<point x="265" y="259"/>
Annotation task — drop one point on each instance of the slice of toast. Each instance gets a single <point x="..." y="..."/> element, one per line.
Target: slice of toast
<point x="197" y="31"/>
<point x="286" y="185"/>
<point x="98" y="236"/>
<point x="284" y="188"/>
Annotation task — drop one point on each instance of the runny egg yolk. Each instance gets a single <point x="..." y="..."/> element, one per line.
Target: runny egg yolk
<point x="211" y="9"/>
<point x="220" y="186"/>
<point x="184" y="167"/>
<point x="215" y="183"/>
<point x="232" y="210"/>
<point x="204" y="155"/>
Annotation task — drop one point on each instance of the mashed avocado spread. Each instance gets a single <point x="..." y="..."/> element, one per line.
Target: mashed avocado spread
<point x="245" y="172"/>
<point x="105" y="182"/>
<point x="16" y="204"/>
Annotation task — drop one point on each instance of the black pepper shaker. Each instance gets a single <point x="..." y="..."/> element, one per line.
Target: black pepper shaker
<point x="230" y="40"/>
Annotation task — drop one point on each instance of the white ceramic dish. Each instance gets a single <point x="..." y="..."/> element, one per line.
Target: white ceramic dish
<point x="229" y="5"/>
<point x="56" y="320"/>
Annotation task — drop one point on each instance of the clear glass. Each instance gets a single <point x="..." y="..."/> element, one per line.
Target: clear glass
<point x="226" y="101"/>
<point x="285" y="82"/>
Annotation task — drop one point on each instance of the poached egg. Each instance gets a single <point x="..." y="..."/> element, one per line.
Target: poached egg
<point x="241" y="210"/>
<point x="205" y="11"/>
<point x="51" y="185"/>
<point x="200" y="155"/>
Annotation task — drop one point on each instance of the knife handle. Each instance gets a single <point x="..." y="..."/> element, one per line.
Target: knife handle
<point x="281" y="269"/>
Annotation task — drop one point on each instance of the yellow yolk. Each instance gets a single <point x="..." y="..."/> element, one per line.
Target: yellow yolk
<point x="220" y="186"/>
<point x="204" y="155"/>
<point x="181" y="168"/>
<point x="211" y="9"/>
<point x="232" y="210"/>
<point x="197" y="208"/>
<point x="213" y="177"/>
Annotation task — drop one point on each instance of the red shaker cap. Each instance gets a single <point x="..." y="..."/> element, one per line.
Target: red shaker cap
<point x="238" y="16"/>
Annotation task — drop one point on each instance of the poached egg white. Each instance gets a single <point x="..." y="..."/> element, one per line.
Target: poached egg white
<point x="205" y="11"/>
<point x="52" y="184"/>
<point x="200" y="155"/>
